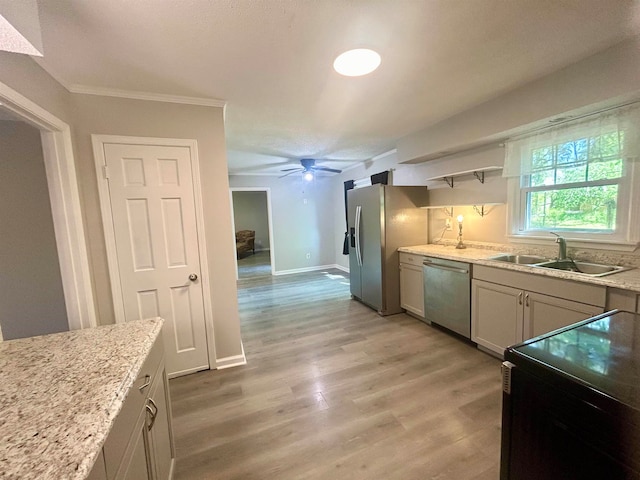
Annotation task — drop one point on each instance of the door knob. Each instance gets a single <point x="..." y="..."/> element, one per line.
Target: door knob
<point x="193" y="277"/>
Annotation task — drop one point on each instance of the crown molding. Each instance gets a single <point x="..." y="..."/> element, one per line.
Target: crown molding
<point x="154" y="97"/>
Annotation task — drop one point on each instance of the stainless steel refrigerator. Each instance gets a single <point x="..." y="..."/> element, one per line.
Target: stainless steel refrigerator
<point x="381" y="219"/>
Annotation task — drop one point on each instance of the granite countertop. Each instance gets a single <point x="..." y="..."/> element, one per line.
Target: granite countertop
<point x="626" y="280"/>
<point x="60" y="394"/>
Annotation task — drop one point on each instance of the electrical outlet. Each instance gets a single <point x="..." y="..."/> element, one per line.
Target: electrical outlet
<point x="308" y="256"/>
<point x="447" y="224"/>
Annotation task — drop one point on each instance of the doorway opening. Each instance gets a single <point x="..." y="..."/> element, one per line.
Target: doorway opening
<point x="254" y="233"/>
<point x="68" y="228"/>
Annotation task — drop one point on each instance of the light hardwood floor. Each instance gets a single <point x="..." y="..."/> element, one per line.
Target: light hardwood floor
<point x="334" y="391"/>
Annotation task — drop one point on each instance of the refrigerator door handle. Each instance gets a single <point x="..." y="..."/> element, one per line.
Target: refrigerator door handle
<point x="358" y="252"/>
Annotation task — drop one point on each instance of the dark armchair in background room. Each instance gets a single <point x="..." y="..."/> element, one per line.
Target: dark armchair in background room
<point x="245" y="240"/>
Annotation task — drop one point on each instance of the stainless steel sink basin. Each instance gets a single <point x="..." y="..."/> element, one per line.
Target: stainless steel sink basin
<point x="520" y="259"/>
<point x="585" y="268"/>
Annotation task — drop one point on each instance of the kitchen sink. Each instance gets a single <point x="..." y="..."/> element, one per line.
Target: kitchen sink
<point x="567" y="265"/>
<point x="520" y="259"/>
<point x="585" y="268"/>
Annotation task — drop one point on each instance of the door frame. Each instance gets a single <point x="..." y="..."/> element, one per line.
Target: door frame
<point x="64" y="196"/>
<point x="272" y="256"/>
<point x="98" y="142"/>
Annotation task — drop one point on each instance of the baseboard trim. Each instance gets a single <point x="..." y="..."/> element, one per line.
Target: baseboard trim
<point x="340" y="267"/>
<point x="308" y="269"/>
<point x="232" y="361"/>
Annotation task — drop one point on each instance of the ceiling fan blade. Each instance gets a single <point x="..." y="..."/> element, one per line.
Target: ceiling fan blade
<point x="290" y="173"/>
<point x="326" y="169"/>
<point x="291" y="169"/>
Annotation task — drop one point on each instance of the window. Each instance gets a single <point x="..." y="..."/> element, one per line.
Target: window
<point x="576" y="180"/>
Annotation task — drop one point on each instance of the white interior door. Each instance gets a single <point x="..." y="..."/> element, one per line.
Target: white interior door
<point x="154" y="223"/>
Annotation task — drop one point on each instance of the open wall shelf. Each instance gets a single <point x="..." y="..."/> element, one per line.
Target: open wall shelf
<point x="477" y="172"/>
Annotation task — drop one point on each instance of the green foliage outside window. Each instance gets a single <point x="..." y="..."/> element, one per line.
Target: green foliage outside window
<point x="574" y="185"/>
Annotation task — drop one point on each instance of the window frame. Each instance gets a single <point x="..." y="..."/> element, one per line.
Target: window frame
<point x="627" y="229"/>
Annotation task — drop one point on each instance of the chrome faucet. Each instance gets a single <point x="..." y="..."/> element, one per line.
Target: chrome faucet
<point x="562" y="246"/>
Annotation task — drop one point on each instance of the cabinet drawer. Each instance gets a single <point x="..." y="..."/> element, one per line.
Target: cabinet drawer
<point x="411" y="258"/>
<point x="121" y="433"/>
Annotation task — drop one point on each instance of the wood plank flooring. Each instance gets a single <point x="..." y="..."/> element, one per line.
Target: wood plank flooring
<point x="334" y="391"/>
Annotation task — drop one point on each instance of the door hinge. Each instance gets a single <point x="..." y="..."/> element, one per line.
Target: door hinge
<point x="506" y="377"/>
<point x="105" y="172"/>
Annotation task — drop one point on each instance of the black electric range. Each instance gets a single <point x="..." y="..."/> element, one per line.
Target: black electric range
<point x="571" y="402"/>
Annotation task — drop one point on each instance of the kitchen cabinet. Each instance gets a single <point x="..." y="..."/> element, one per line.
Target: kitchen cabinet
<point x="508" y="307"/>
<point x="624" y="300"/>
<point x="412" y="284"/>
<point x="140" y="444"/>
<point x="98" y="472"/>
<point x="135" y="464"/>
<point x="159" y="429"/>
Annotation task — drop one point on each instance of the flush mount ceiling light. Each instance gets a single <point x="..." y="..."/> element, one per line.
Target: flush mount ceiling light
<point x="358" y="62"/>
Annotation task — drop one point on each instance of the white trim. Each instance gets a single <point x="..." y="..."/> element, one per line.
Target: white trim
<point x="98" y="142"/>
<point x="272" y="248"/>
<point x="309" y="269"/>
<point x="64" y="196"/>
<point x="232" y="361"/>
<point x="188" y="371"/>
<point x="340" y="267"/>
<point x="150" y="96"/>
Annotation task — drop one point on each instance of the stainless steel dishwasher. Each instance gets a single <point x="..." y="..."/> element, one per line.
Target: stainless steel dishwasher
<point x="447" y="294"/>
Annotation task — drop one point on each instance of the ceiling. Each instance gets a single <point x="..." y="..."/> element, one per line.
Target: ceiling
<point x="271" y="62"/>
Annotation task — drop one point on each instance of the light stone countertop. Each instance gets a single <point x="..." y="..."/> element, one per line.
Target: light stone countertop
<point x="626" y="280"/>
<point x="60" y="394"/>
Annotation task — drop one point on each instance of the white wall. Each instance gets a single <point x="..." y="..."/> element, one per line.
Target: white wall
<point x="302" y="219"/>
<point x="31" y="294"/>
<point x="250" y="213"/>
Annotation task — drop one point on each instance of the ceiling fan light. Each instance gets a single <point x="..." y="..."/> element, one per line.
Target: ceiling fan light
<point x="308" y="176"/>
<point x="358" y="62"/>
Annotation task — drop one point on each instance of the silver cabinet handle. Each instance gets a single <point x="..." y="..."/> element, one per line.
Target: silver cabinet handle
<point x="445" y="267"/>
<point x="152" y="411"/>
<point x="526" y="300"/>
<point x="147" y="382"/>
<point x="520" y="298"/>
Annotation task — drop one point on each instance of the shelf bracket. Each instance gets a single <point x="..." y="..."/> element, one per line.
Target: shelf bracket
<point x="449" y="181"/>
<point x="480" y="211"/>
<point x="479" y="176"/>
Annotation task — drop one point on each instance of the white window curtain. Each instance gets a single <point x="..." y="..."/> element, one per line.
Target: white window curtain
<point x="624" y="121"/>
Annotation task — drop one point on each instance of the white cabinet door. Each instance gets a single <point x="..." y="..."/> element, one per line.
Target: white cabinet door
<point x="412" y="289"/>
<point x="543" y="314"/>
<point x="496" y="315"/>
<point x="502" y="316"/>
<point x="160" y="433"/>
<point x="135" y="465"/>
<point x="99" y="471"/>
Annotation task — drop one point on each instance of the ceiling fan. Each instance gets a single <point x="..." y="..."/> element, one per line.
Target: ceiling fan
<point x="308" y="168"/>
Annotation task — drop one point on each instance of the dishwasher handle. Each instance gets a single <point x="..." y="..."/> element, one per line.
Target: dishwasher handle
<point x="428" y="263"/>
